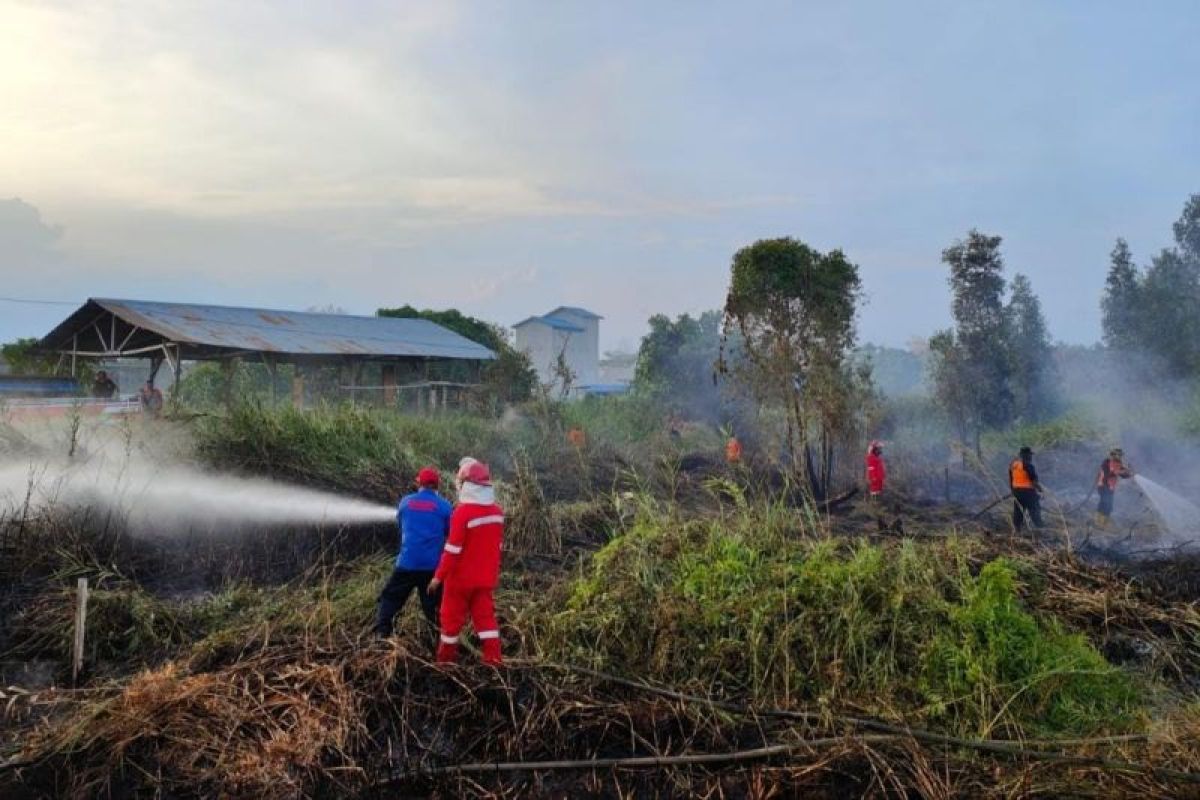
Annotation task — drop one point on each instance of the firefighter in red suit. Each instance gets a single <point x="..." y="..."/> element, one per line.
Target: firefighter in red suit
<point x="876" y="470"/>
<point x="470" y="565"/>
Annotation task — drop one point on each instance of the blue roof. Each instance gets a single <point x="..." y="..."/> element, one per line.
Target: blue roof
<point x="283" y="332"/>
<point x="583" y="312"/>
<point x="605" y="388"/>
<point x="558" y="323"/>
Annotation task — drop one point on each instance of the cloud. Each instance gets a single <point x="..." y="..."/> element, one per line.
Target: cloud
<point x="488" y="287"/>
<point x="23" y="232"/>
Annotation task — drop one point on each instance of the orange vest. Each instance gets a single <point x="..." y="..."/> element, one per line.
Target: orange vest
<point x="1019" y="476"/>
<point x="577" y="437"/>
<point x="733" y="451"/>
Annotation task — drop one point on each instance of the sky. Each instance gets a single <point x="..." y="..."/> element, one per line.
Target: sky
<point x="506" y="158"/>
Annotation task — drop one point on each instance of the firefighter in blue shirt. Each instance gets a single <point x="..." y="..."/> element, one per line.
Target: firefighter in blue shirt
<point x="424" y="519"/>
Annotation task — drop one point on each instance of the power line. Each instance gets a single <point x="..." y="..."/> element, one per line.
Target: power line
<point x="30" y="301"/>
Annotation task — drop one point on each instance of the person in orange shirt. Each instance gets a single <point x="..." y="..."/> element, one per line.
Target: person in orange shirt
<point x="1026" y="490"/>
<point x="733" y="451"/>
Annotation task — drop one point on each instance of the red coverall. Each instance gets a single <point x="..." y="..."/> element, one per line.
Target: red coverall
<point x="469" y="571"/>
<point x="876" y="473"/>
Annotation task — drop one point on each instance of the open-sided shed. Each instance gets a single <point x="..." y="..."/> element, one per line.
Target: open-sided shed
<point x="171" y="333"/>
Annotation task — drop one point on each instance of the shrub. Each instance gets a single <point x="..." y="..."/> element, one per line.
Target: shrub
<point x="743" y="607"/>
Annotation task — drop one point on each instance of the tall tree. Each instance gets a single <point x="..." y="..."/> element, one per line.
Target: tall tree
<point x="676" y="359"/>
<point x="977" y="355"/>
<point x="1122" y="292"/>
<point x="1187" y="231"/>
<point x="1157" y="312"/>
<point x="1169" y="311"/>
<point x="1032" y="364"/>
<point x="795" y="309"/>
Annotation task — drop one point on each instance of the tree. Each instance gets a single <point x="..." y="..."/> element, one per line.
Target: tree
<point x="794" y="308"/>
<point x="1032" y="360"/>
<point x="1187" y="231"/>
<point x="676" y="360"/>
<point x="973" y="365"/>
<point x="24" y="358"/>
<point x="509" y="378"/>
<point x="1157" y="311"/>
<point x="948" y="374"/>
<point x="1122" y="294"/>
<point x="1168" y="311"/>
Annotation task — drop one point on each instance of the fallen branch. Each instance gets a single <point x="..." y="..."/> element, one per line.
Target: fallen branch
<point x="990" y="506"/>
<point x="997" y="746"/>
<point x="631" y="762"/>
<point x="829" y="505"/>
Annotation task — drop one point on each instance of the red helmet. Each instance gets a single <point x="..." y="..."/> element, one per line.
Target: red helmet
<point x="428" y="476"/>
<point x="473" y="471"/>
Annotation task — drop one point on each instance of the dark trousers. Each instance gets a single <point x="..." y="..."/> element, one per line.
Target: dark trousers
<point x="395" y="594"/>
<point x="1026" y="503"/>
<point x="1106" y="501"/>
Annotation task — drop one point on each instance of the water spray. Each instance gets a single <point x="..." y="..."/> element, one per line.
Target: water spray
<point x="163" y="500"/>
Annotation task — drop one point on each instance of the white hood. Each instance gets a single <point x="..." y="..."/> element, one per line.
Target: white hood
<point x="476" y="495"/>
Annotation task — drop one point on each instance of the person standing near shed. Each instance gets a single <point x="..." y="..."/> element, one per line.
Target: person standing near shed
<point x="104" y="387"/>
<point x="470" y="565"/>
<point x="151" y="399"/>
<point x="424" y="521"/>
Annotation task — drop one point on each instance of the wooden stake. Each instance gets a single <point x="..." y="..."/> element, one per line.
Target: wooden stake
<point x="80" y="627"/>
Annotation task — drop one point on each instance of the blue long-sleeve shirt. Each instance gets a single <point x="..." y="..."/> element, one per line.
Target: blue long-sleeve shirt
<point x="424" y="520"/>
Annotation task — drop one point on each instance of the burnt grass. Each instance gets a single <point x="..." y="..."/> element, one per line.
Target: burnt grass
<point x="243" y="666"/>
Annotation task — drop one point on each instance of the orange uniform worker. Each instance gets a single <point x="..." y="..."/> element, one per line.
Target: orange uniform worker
<point x="470" y="565"/>
<point x="577" y="438"/>
<point x="733" y="451"/>
<point x="1026" y="490"/>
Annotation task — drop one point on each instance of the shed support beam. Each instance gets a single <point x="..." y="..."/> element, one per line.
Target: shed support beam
<point x="298" y="387"/>
<point x="388" y="379"/>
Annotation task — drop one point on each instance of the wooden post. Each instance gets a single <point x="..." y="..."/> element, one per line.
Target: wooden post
<point x="388" y="379"/>
<point x="80" y="628"/>
<point x="297" y="387"/>
<point x="228" y="371"/>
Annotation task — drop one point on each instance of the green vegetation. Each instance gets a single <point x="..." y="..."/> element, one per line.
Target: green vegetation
<point x="510" y="378"/>
<point x="363" y="450"/>
<point x="23" y="358"/>
<point x="749" y="606"/>
<point x="1073" y="428"/>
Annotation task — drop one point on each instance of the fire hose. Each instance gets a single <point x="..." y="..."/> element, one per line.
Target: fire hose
<point x="991" y="505"/>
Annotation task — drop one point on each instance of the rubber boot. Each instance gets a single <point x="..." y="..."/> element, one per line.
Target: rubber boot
<point x="491" y="651"/>
<point x="447" y="653"/>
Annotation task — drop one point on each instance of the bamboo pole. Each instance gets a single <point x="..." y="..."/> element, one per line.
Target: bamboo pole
<point x="80" y="628"/>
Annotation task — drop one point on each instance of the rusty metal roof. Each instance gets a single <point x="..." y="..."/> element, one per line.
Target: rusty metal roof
<point x="283" y="332"/>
